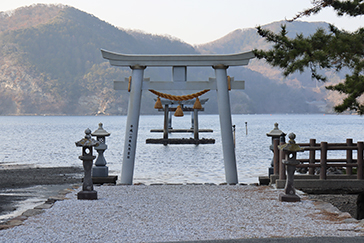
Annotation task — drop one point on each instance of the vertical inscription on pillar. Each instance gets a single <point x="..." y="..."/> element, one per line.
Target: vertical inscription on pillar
<point x="129" y="141"/>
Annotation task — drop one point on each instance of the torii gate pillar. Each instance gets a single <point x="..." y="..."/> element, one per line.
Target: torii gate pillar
<point x="179" y="63"/>
<point x="222" y="90"/>
<point x="132" y="124"/>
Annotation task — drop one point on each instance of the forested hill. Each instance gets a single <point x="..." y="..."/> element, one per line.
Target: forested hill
<point x="51" y="64"/>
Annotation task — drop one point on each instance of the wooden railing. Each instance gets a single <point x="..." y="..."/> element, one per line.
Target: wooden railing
<point x="323" y="162"/>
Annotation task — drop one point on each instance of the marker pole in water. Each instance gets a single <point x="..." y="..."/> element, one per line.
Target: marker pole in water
<point x="231" y="174"/>
<point x="132" y="124"/>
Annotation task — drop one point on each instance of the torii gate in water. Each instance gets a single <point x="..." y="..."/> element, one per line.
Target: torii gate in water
<point x="179" y="64"/>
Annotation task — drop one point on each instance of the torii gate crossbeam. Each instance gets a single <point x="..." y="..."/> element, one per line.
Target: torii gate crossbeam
<point x="179" y="63"/>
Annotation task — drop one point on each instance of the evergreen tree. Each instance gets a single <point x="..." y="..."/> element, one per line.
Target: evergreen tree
<point x="333" y="49"/>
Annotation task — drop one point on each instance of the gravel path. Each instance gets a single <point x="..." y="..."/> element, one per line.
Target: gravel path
<point x="182" y="213"/>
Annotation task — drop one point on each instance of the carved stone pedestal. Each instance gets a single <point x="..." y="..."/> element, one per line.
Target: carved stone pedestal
<point x="290" y="149"/>
<point x="87" y="144"/>
<point x="88" y="191"/>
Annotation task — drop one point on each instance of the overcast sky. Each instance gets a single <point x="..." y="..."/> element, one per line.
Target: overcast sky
<point x="193" y="21"/>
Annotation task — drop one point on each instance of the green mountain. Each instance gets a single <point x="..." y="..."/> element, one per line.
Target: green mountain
<point x="51" y="64"/>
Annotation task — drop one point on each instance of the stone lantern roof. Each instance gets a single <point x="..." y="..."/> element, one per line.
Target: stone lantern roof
<point x="275" y="132"/>
<point x="291" y="146"/>
<point x="100" y="132"/>
<point x="87" y="141"/>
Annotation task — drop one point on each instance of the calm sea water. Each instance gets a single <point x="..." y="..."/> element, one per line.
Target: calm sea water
<point x="48" y="141"/>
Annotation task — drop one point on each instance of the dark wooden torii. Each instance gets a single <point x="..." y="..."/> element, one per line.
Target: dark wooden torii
<point x="167" y="108"/>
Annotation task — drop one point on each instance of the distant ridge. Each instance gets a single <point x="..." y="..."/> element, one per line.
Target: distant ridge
<point x="26" y="17"/>
<point x="51" y="64"/>
<point x="246" y="39"/>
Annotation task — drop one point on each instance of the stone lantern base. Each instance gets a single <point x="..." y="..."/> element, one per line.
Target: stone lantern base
<point x="100" y="171"/>
<point x="87" y="195"/>
<point x="102" y="180"/>
<point x="289" y="198"/>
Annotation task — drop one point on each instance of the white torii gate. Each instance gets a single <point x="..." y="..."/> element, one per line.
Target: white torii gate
<point x="179" y="64"/>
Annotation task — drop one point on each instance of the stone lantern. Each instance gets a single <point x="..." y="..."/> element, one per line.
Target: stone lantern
<point x="290" y="151"/>
<point x="274" y="134"/>
<point x="87" y="144"/>
<point x="100" y="169"/>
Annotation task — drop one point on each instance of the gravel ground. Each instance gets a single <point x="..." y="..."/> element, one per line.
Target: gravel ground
<point x="182" y="213"/>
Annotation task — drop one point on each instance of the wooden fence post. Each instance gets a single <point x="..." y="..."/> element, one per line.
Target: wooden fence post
<point x="323" y="161"/>
<point x="349" y="156"/>
<point x="360" y="160"/>
<point x="312" y="157"/>
<point x="282" y="168"/>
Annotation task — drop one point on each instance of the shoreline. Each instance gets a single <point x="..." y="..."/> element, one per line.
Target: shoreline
<point x="14" y="176"/>
<point x="22" y="187"/>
